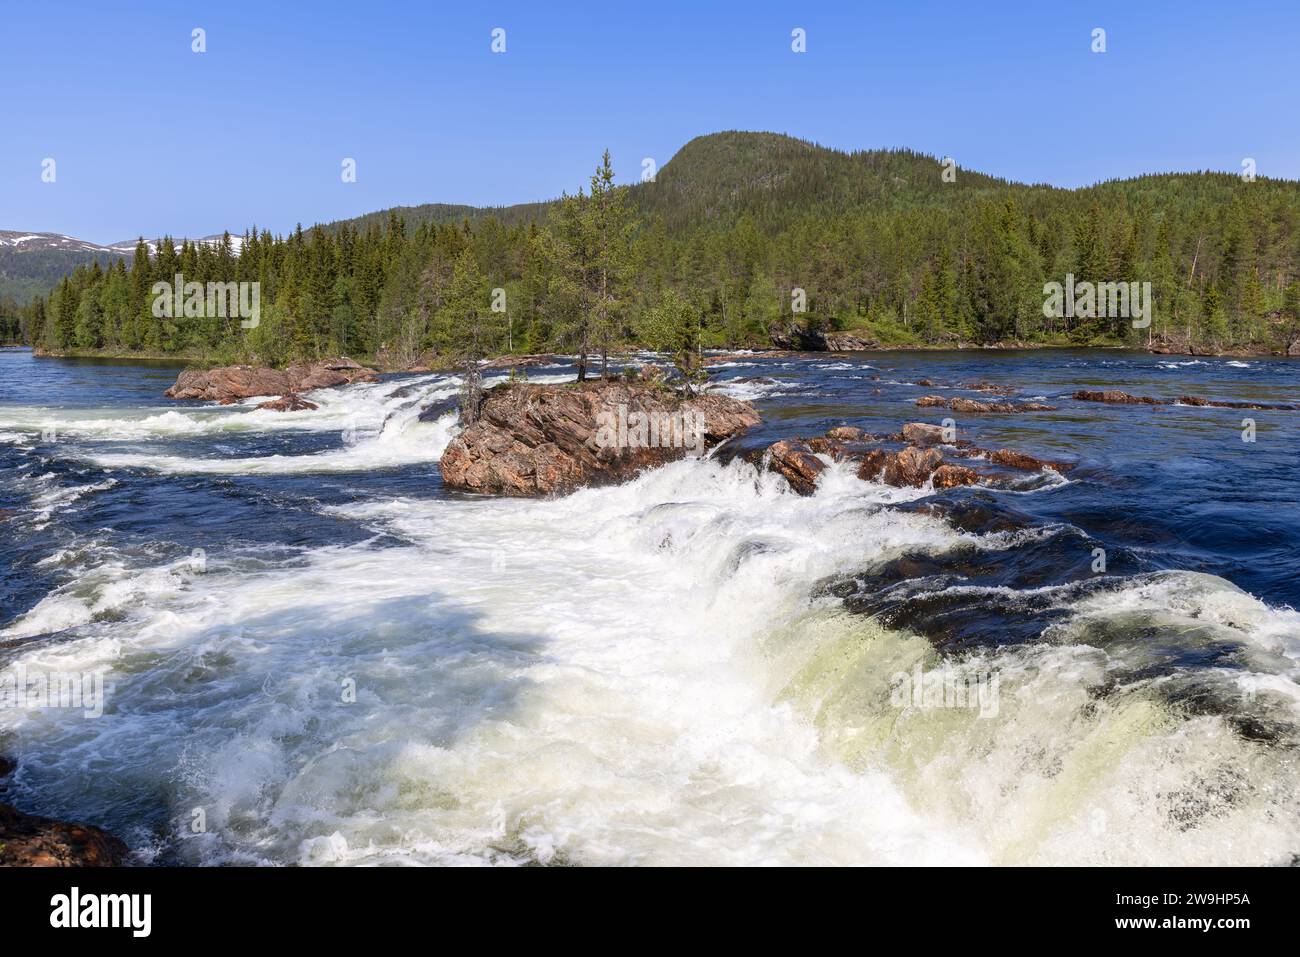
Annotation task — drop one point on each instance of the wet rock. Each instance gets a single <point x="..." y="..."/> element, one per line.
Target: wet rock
<point x="552" y="439"/>
<point x="951" y="476"/>
<point x="1115" y="396"/>
<point x="960" y="404"/>
<point x="228" y="384"/>
<point x="990" y="388"/>
<point x="30" y="841"/>
<point x="796" y="461"/>
<point x="1198" y="401"/>
<point x="909" y="466"/>
<point x="1020" y="460"/>
<point x="923" y="433"/>
<point x="321" y="379"/>
<point x="848" y="433"/>
<point x="289" y="403"/>
<point x="979" y="406"/>
<point x="7" y="766"/>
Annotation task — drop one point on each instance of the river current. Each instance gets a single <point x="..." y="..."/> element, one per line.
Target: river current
<point x="314" y="653"/>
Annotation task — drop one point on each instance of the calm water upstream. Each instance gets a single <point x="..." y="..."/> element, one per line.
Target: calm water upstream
<point x="696" y="667"/>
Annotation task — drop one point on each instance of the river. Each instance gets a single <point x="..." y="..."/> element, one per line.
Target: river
<point x="314" y="653"/>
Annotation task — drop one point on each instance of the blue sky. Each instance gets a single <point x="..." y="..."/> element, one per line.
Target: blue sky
<point x="150" y="137"/>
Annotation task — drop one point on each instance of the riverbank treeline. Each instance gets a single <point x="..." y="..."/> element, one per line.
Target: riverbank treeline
<point x="742" y="228"/>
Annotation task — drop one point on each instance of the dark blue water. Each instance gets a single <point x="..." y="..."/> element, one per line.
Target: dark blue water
<point x="209" y="554"/>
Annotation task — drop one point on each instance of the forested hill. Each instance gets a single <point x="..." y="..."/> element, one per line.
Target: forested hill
<point x="733" y="233"/>
<point x="771" y="176"/>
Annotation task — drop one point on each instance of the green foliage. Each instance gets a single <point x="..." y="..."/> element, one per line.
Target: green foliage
<point x="674" y="325"/>
<point x="733" y="224"/>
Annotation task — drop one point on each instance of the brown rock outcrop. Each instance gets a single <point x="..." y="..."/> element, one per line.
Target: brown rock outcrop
<point x="1115" y="396"/>
<point x="1211" y="403"/>
<point x="30" y="841"/>
<point x="230" y="383"/>
<point x="951" y="476"/>
<point x="796" y="461"/>
<point x="552" y="439"/>
<point x="909" y="466"/>
<point x="923" y="433"/>
<point x="848" y="433"/>
<point x="1019" y="460"/>
<point x="977" y="406"/>
<point x="292" y="402"/>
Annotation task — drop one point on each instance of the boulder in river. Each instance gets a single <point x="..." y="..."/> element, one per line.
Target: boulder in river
<point x="979" y="406"/>
<point x="552" y="439"/>
<point x="1019" y="460"/>
<point x="231" y="383"/>
<point x="30" y="841"/>
<point x="1115" y="397"/>
<point x="923" y="433"/>
<point x="796" y="461"/>
<point x="951" y="476"/>
<point x="909" y="466"/>
<point x="292" y="402"/>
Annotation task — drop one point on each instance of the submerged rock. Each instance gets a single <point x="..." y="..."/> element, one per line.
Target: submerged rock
<point x="849" y="433"/>
<point x="228" y="384"/>
<point x="962" y="404"/>
<point x="552" y="439"/>
<point x="1197" y="401"/>
<point x="1115" y="396"/>
<point x="30" y="841"/>
<point x="292" y="402"/>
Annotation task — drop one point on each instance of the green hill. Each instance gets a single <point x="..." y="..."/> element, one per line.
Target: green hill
<point x="743" y="226"/>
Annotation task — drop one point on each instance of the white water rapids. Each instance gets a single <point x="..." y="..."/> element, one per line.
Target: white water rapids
<point x="631" y="675"/>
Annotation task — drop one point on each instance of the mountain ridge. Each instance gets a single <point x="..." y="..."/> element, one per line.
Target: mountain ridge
<point x="773" y="178"/>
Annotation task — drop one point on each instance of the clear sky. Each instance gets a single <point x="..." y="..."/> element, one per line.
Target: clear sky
<point x="150" y="137"/>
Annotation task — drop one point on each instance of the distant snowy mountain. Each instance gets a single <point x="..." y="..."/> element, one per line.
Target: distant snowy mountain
<point x="32" y="263"/>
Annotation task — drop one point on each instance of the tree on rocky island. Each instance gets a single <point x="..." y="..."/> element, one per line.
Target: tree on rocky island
<point x="592" y="257"/>
<point x="466" y="329"/>
<point x="674" y="325"/>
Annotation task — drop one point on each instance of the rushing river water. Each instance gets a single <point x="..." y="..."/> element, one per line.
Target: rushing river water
<point x="315" y="653"/>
